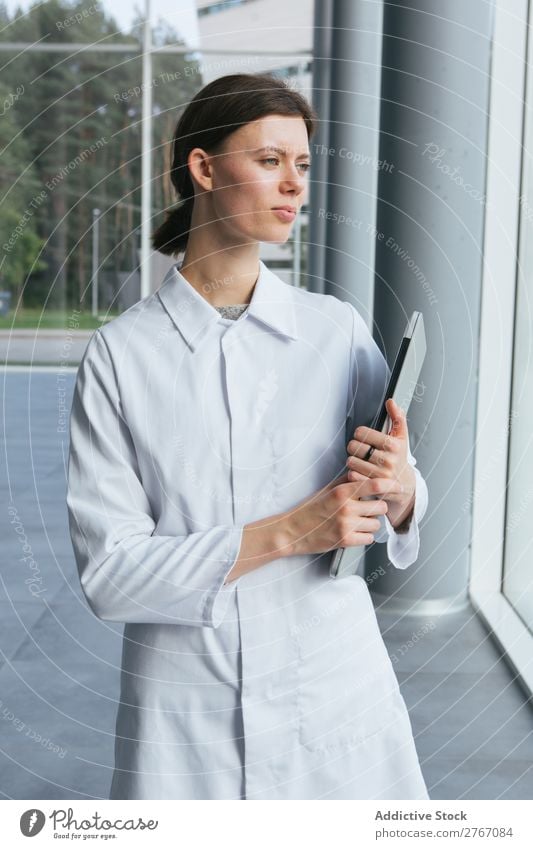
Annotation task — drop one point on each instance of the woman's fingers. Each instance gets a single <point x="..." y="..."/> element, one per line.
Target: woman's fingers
<point x="362" y="467"/>
<point x="375" y="466"/>
<point x="379" y="487"/>
<point x="360" y="449"/>
<point x="359" y="463"/>
<point x="367" y="436"/>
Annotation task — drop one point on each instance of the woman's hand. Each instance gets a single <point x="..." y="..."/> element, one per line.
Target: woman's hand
<point x="336" y="517"/>
<point x="388" y="460"/>
<point x="333" y="517"/>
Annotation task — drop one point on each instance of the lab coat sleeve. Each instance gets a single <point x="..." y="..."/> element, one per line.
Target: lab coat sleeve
<point x="369" y="377"/>
<point x="128" y="572"/>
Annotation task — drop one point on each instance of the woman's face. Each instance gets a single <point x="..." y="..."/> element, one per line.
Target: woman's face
<point x="262" y="167"/>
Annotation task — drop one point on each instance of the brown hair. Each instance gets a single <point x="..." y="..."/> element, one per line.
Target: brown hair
<point x="241" y="98"/>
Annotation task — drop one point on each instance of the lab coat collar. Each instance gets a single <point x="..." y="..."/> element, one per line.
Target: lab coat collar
<point x="272" y="303"/>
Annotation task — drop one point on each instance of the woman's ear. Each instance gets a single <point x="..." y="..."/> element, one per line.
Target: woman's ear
<point x="200" y="168"/>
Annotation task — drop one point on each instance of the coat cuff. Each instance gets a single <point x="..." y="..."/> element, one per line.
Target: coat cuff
<point x="218" y="597"/>
<point x="402" y="548"/>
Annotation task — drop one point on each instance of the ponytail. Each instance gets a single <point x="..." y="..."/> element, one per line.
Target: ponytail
<point x="171" y="237"/>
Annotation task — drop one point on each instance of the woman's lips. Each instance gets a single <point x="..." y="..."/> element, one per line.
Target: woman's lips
<point x="285" y="214"/>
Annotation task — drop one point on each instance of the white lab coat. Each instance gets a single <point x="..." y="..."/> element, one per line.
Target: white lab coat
<point x="184" y="427"/>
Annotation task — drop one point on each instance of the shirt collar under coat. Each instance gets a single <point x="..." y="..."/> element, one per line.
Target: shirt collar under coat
<point x="271" y="303"/>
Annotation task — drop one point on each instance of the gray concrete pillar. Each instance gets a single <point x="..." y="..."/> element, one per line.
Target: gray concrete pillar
<point x="435" y="87"/>
<point x="352" y="152"/>
<point x="316" y="240"/>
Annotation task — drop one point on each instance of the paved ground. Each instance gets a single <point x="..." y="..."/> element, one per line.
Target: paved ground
<point x="59" y="665"/>
<point x="34" y="346"/>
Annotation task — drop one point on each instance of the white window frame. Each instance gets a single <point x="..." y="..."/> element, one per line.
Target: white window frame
<point x="500" y="262"/>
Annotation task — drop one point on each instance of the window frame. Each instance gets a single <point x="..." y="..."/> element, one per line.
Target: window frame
<point x="500" y="267"/>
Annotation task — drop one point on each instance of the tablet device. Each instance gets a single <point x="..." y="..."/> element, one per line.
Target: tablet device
<point x="401" y="388"/>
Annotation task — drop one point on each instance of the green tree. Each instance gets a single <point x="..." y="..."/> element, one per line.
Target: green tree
<point x="21" y="244"/>
<point x="77" y="138"/>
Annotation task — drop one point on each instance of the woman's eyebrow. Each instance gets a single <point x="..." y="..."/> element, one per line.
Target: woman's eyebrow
<point x="280" y="151"/>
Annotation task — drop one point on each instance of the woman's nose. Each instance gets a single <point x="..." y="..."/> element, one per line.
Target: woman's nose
<point x="295" y="179"/>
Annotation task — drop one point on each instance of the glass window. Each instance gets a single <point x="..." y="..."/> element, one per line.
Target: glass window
<point x="518" y="572"/>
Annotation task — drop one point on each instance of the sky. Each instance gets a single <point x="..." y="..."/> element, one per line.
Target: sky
<point x="180" y="13"/>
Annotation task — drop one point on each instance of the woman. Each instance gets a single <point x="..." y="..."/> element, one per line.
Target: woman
<point x="208" y="489"/>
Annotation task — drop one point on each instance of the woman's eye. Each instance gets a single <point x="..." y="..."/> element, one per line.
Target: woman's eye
<point x="305" y="166"/>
